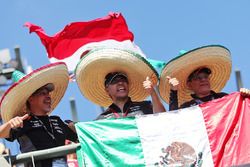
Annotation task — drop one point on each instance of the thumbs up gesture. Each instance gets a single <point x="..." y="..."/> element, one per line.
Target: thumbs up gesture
<point x="173" y="82"/>
<point x="148" y="85"/>
<point x="17" y="122"/>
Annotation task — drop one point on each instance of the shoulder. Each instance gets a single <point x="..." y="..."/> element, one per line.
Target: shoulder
<point x="188" y="104"/>
<point x="142" y="102"/>
<point x="145" y="106"/>
<point x="106" y="112"/>
<point x="55" y="118"/>
<point x="221" y="94"/>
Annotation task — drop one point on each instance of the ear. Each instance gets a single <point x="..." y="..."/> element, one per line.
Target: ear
<point x="30" y="99"/>
<point x="107" y="90"/>
<point x="189" y="85"/>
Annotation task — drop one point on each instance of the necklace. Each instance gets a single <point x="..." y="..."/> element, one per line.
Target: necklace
<point x="45" y="128"/>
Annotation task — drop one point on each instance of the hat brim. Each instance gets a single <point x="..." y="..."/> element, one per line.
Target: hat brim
<point x="13" y="102"/>
<point x="93" y="67"/>
<point x="215" y="57"/>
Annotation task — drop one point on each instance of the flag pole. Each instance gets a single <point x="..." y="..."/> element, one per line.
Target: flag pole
<point x="238" y="79"/>
<point x="73" y="109"/>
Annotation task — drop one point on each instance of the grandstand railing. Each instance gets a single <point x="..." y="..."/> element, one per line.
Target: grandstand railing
<point x="39" y="155"/>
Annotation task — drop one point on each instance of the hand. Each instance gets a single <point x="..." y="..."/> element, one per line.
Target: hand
<point x="148" y="85"/>
<point x="17" y="122"/>
<point x="245" y="92"/>
<point x="173" y="82"/>
<point x="71" y="125"/>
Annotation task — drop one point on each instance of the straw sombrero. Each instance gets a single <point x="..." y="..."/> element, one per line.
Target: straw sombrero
<point x="95" y="65"/>
<point x="13" y="102"/>
<point x="215" y="57"/>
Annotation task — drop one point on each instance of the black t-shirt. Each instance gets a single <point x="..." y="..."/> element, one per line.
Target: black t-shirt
<point x="42" y="132"/>
<point x="173" y="102"/>
<point x="196" y="100"/>
<point x="130" y="109"/>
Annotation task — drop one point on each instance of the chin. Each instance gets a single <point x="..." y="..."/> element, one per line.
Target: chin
<point x="205" y="91"/>
<point x="122" y="97"/>
<point x="47" y="110"/>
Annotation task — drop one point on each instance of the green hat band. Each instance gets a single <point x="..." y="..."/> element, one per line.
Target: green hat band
<point x="17" y="75"/>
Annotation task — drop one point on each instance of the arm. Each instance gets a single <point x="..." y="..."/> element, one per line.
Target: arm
<point x="173" y="100"/>
<point x="157" y="104"/>
<point x="173" y="97"/>
<point x="13" y="123"/>
<point x="69" y="129"/>
<point x="71" y="125"/>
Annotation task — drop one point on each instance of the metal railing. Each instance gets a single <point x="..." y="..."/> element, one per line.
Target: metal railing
<point x="40" y="155"/>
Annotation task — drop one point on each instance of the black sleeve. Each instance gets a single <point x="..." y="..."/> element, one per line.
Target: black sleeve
<point x="221" y="94"/>
<point x="173" y="100"/>
<point x="106" y="114"/>
<point x="100" y="117"/>
<point x="70" y="135"/>
<point x="185" y="105"/>
<point x="15" y="134"/>
<point x="189" y="104"/>
<point x="147" y="107"/>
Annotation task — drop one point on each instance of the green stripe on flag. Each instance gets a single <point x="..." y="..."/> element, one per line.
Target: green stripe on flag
<point x="100" y="147"/>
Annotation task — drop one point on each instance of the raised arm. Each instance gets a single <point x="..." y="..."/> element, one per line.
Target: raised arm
<point x="173" y="96"/>
<point x="157" y="104"/>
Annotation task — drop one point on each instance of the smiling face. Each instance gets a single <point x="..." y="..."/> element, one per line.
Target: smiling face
<point x="40" y="102"/>
<point x="118" y="89"/>
<point x="200" y="84"/>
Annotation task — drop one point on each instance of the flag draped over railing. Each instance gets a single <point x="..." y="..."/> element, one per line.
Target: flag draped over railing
<point x="215" y="133"/>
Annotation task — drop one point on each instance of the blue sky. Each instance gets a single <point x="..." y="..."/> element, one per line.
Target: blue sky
<point x="161" y="29"/>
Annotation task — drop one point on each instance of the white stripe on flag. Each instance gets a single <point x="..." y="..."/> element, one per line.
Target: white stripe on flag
<point x="73" y="60"/>
<point x="157" y="132"/>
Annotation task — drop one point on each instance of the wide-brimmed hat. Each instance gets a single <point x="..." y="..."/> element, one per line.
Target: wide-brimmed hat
<point x="214" y="57"/>
<point x="95" y="65"/>
<point x="13" y="102"/>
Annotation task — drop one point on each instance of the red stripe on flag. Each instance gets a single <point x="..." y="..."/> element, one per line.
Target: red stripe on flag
<point x="64" y="43"/>
<point x="227" y="122"/>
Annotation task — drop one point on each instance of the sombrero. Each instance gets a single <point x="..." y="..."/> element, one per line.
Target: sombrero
<point x="13" y="102"/>
<point x="215" y="57"/>
<point x="96" y="64"/>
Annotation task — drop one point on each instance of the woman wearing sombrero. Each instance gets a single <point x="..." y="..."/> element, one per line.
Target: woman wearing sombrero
<point x="25" y="109"/>
<point x="199" y="75"/>
<point x="116" y="78"/>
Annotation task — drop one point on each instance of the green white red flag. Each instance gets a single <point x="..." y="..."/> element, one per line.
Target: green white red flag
<point x="215" y="133"/>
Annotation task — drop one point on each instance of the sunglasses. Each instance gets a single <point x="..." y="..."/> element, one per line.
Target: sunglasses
<point x="40" y="92"/>
<point x="199" y="77"/>
<point x="118" y="79"/>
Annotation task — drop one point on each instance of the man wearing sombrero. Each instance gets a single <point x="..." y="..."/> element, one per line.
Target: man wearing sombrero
<point x="199" y="75"/>
<point x="120" y="80"/>
<point x="25" y="109"/>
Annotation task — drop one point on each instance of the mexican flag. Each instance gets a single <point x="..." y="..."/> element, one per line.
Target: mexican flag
<point x="215" y="133"/>
<point x="78" y="38"/>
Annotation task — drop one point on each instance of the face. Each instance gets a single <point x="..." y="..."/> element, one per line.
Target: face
<point x="41" y="101"/>
<point x="200" y="84"/>
<point x="118" y="88"/>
